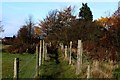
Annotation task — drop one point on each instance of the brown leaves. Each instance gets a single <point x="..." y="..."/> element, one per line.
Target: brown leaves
<point x="37" y="30"/>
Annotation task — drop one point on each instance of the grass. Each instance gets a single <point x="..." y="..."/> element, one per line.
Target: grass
<point x="62" y="70"/>
<point x="50" y="69"/>
<point x="116" y="72"/>
<point x="27" y="65"/>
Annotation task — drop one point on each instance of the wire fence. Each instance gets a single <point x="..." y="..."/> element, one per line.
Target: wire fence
<point x="28" y="61"/>
<point x="28" y="69"/>
<point x="98" y="69"/>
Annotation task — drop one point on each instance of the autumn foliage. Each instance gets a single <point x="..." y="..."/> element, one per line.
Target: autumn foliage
<point x="101" y="38"/>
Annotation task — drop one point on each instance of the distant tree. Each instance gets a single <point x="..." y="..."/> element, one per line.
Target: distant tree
<point x="23" y="34"/>
<point x="26" y="33"/>
<point x="117" y="13"/>
<point x="25" y="40"/>
<point x="85" y="13"/>
<point x="49" y="22"/>
<point x="57" y="23"/>
<point x="30" y="25"/>
<point x="1" y="27"/>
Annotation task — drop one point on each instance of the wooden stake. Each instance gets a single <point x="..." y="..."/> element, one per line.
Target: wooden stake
<point x="40" y="53"/>
<point x="65" y="52"/>
<point x="96" y="64"/>
<point x="81" y="52"/>
<point x="88" y="72"/>
<point x="61" y="45"/>
<point x="70" y="52"/>
<point x="45" y="51"/>
<point x="50" y="44"/>
<point x="16" y="68"/>
<point x="37" y="62"/>
<point x="43" y="55"/>
<point x="79" y="58"/>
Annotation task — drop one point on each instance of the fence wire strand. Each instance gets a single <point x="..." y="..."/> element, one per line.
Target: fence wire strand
<point x="34" y="72"/>
<point x="26" y="63"/>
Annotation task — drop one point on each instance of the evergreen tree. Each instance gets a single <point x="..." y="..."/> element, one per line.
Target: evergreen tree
<point x="85" y="13"/>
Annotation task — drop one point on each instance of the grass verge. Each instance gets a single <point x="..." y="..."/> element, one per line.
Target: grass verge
<point x="27" y="65"/>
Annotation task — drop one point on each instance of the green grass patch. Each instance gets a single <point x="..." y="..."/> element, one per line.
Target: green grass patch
<point x="62" y="70"/>
<point x="27" y="65"/>
<point x="116" y="72"/>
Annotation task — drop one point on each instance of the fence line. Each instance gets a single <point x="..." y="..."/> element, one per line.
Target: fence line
<point x="40" y="57"/>
<point x="89" y="68"/>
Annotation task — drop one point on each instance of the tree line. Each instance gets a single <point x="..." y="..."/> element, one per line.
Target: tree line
<point x="62" y="26"/>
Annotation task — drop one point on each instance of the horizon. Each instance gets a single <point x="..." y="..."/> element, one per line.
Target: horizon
<point x="14" y="14"/>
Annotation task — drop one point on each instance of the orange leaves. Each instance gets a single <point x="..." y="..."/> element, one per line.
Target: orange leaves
<point x="109" y="21"/>
<point x="37" y="30"/>
<point x="104" y="20"/>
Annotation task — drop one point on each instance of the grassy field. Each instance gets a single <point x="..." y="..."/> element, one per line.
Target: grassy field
<point x="27" y="65"/>
<point x="50" y="69"/>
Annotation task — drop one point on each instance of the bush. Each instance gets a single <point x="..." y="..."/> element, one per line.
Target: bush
<point x="20" y="48"/>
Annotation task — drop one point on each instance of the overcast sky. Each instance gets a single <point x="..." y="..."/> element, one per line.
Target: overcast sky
<point x="14" y="14"/>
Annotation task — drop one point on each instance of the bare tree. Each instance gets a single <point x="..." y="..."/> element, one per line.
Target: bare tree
<point x="1" y="27"/>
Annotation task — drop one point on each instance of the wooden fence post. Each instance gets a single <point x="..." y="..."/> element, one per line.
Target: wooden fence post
<point x="43" y="53"/>
<point x="37" y="62"/>
<point x="61" y="46"/>
<point x="65" y="52"/>
<point x="96" y="64"/>
<point x="40" y="53"/>
<point x="79" y="58"/>
<point x="50" y="44"/>
<point x="81" y="53"/>
<point x="88" y="72"/>
<point x="70" y="52"/>
<point x="16" y="68"/>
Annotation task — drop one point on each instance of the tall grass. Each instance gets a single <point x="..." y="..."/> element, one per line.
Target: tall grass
<point x="116" y="72"/>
